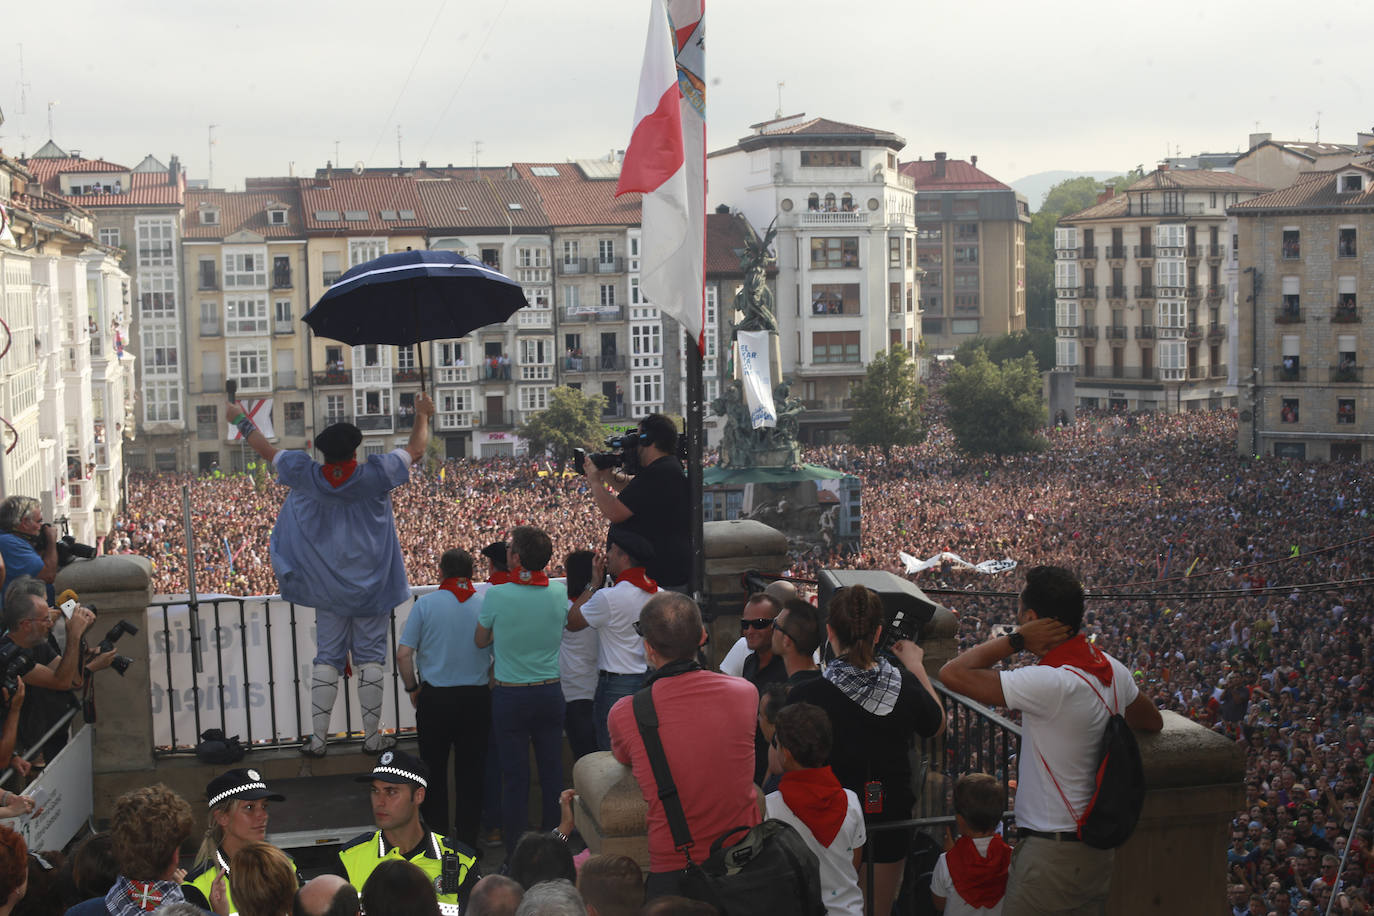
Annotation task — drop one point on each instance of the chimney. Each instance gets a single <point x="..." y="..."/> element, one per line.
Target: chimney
<point x="1257" y="139"/>
<point x="973" y="160"/>
<point x="173" y="169"/>
<point x="1107" y="194"/>
<point x="939" y="165"/>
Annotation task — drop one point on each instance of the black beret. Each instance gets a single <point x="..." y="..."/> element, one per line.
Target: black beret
<point x="341" y="439"/>
<point x="634" y="544"/>
<point x="496" y="553"/>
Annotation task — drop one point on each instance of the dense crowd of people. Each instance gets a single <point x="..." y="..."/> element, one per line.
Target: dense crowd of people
<point x="1236" y="588"/>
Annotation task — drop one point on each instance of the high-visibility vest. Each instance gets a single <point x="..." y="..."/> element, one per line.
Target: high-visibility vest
<point x="196" y="887"/>
<point x="364" y="853"/>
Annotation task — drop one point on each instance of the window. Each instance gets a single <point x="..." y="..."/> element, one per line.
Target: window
<point x="161" y="401"/>
<point x="1347" y="367"/>
<point x="964" y="206"/>
<point x="110" y="237"/>
<point x="894" y="252"/>
<point x="1292" y="244"/>
<point x="1170" y="235"/>
<point x="209" y="217"/>
<point x="1066" y="314"/>
<point x="160" y="350"/>
<point x="250" y="365"/>
<point x="1352" y="184"/>
<point x="209" y="318"/>
<point x="536" y="358"/>
<point x="281" y="316"/>
<point x="646" y="390"/>
<point x="646" y="346"/>
<point x="835" y="299"/>
<point x="1292" y="300"/>
<point x="1169" y="274"/>
<point x="1173" y="359"/>
<point x="1288" y="410"/>
<point x="355" y="216"/>
<point x="276" y="217"/>
<point x="534" y="397"/>
<point x="605" y="251"/>
<point x="360" y="250"/>
<point x="965" y="254"/>
<point x="455" y="400"/>
<point x="830" y="158"/>
<point x="571" y="299"/>
<point x="963" y="326"/>
<point x="295" y="418"/>
<point x="965" y="303"/>
<point x="245" y="269"/>
<point x="712" y="321"/>
<point x="281" y="271"/>
<point x="1170" y="314"/>
<point x="836" y="252"/>
<point x="966" y="232"/>
<point x="1065" y="238"/>
<point x="1066" y="353"/>
<point x="1346" y="310"/>
<point x="206" y="274"/>
<point x="329" y="265"/>
<point x="1172" y="202"/>
<point x="532" y="257"/>
<point x="156" y="241"/>
<point x="835" y="347"/>
<point x="1066" y="274"/>
<point x="1345" y="242"/>
<point x="570" y="252"/>
<point x="334" y="409"/>
<point x="157" y="294"/>
<point x="608" y="295"/>
<point x="372" y="402"/>
<point x="245" y="315"/>
<point x="207" y="421"/>
<point x="1345" y="410"/>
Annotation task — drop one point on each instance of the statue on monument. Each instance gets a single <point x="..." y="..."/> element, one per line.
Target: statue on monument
<point x="755" y="299"/>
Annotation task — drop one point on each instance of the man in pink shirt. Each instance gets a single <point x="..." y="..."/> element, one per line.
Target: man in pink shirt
<point x="710" y="754"/>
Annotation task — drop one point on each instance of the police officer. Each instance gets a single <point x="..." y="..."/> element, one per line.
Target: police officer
<point x="398" y="789"/>
<point x="238" y="816"/>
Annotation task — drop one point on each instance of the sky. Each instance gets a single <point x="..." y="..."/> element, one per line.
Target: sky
<point x="1026" y="86"/>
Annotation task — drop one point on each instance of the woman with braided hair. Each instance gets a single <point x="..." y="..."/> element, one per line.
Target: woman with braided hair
<point x="875" y="709"/>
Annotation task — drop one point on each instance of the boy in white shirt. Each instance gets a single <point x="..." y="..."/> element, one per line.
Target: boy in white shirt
<point x="811" y="799"/>
<point x="971" y="878"/>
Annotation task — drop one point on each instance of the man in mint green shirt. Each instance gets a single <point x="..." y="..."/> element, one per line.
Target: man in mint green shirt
<point x="522" y="621"/>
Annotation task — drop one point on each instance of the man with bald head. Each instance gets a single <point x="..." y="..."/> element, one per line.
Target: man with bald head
<point x="327" y="895"/>
<point x="495" y="895"/>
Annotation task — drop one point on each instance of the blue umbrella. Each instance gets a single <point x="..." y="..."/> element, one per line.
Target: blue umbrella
<point x="412" y="296"/>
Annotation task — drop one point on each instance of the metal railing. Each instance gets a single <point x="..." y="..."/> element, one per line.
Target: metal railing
<point x="334" y="377"/>
<point x="1115" y="252"/>
<point x="1144" y="251"/>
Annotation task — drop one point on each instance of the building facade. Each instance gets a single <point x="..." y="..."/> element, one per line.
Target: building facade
<point x="1308" y="256"/>
<point x="1143" y="306"/>
<point x="971" y="245"/>
<point x="847" y="282"/>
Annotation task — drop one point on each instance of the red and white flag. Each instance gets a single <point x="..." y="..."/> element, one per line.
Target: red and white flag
<point x="666" y="162"/>
<point x="260" y="412"/>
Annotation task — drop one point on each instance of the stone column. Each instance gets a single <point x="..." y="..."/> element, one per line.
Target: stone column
<point x="119" y="587"/>
<point x="610" y="811"/>
<point x="733" y="548"/>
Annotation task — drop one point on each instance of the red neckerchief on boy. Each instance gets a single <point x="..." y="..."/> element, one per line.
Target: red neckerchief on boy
<point x="498" y="577"/>
<point x="461" y="588"/>
<point x="816" y="797"/>
<point x="522" y="576"/>
<point x="1079" y="653"/>
<point x="336" y="472"/>
<point x="980" y="880"/>
<point x="637" y="577"/>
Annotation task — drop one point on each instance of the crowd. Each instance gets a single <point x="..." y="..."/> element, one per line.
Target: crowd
<point x="1231" y="585"/>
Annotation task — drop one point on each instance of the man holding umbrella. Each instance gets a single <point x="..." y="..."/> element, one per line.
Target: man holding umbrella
<point x="334" y="548"/>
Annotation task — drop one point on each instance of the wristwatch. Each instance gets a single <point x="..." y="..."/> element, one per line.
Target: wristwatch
<point x="1017" y="641"/>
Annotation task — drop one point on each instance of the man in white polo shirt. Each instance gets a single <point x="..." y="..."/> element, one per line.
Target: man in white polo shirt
<point x="613" y="612"/>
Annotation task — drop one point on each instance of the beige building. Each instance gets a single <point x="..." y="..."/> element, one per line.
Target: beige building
<point x="1308" y="256"/>
<point x="1279" y="163"/>
<point x="971" y="243"/>
<point x="245" y="277"/>
<point x="1143" y="306"/>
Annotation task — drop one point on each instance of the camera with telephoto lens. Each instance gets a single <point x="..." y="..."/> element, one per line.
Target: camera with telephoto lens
<point x="120" y="663"/>
<point x="68" y="550"/>
<point x="15" y="662"/>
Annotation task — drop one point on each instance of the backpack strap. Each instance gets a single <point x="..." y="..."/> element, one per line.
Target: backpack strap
<point x="1077" y="819"/>
<point x="646" y="717"/>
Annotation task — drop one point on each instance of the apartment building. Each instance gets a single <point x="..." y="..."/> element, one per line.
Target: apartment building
<point x="245" y="272"/>
<point x="971" y="243"/>
<point x="488" y="382"/>
<point x="1142" y="300"/>
<point x="349" y="220"/>
<point x="139" y="210"/>
<point x="1308" y="256"/>
<point x="66" y="380"/>
<point x="847" y="283"/>
<point x="1279" y="163"/>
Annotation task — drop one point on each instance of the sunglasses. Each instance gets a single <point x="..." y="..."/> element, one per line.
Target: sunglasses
<point x="758" y="623"/>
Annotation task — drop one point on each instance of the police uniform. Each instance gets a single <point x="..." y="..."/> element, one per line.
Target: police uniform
<point x="364" y="853"/>
<point x="246" y="784"/>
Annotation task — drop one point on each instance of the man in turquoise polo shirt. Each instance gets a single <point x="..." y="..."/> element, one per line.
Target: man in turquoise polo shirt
<point x="523" y="623"/>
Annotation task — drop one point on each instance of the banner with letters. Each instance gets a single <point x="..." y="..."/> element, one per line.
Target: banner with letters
<point x="751" y="348"/>
<point x="63" y="794"/>
<point x="987" y="567"/>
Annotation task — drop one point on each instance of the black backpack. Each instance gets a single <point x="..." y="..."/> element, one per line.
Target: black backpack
<point x="1119" y="789"/>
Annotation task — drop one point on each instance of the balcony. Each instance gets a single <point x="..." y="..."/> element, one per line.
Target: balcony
<point x="825" y="218"/>
<point x="608" y="362"/>
<point x="209" y="328"/>
<point x="1345" y="250"/>
<point x="405" y="419"/>
<point x="1216" y="252"/>
<point x="1088" y="292"/>
<point x="375" y="423"/>
<point x="281" y="278"/>
<point x="610" y="265"/>
<point x="286" y="378"/>
<point x="1115" y="252"/>
<point x="1290" y="373"/>
<point x="1117" y="332"/>
<point x="372" y="376"/>
<point x="1144" y="292"/>
<point x="1193" y="292"/>
<point x="1219" y="371"/>
<point x="497" y="419"/>
<point x="1197" y="372"/>
<point x="452" y="375"/>
<point x="1115" y="292"/>
<point x="458" y="419"/>
<point x="1193" y="252"/>
<point x="536" y="373"/>
<point x="208" y="279"/>
<point x="1216" y="332"/>
<point x="283" y="327"/>
<point x="572" y="266"/>
<point x="1088" y="252"/>
<point x="333" y="377"/>
<point x="1144" y="252"/>
<point x="1116" y="372"/>
<point x="597" y="313"/>
<point x="1347" y="374"/>
<point x="1145" y="332"/>
<point x="495" y="372"/>
<point x="330" y="277"/>
<point x="1289" y="314"/>
<point x="1345" y="314"/>
<point x="331" y="418"/>
<point x="1088" y="332"/>
<point x="534" y="318"/>
<point x="1193" y="332"/>
<point x="405" y="376"/>
<point x="612" y="412"/>
<point x="1214" y="294"/>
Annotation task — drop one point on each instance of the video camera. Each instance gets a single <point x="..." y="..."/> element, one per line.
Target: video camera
<point x="906" y="609"/>
<point x="15" y="662"/>
<point x="621" y="452"/>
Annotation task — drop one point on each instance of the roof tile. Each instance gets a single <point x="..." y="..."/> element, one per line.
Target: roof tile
<point x="243" y="210"/>
<point x="369" y="194"/>
<point x="959" y="176"/>
<point x="452" y="203"/>
<point x="570" y="198"/>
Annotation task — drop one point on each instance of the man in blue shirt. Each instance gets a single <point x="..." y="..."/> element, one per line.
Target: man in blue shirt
<point x="523" y="622"/>
<point x="446" y="676"/>
<point x="334" y="548"/>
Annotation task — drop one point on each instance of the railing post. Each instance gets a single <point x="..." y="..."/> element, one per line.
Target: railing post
<point x="120" y="588"/>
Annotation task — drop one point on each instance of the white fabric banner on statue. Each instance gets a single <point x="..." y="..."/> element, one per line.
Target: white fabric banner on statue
<point x="751" y="355"/>
<point x="987" y="567"/>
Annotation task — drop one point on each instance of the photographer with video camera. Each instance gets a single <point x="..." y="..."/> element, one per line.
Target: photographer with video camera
<point x="29" y="652"/>
<point x="648" y="496"/>
<point x="27" y="545"/>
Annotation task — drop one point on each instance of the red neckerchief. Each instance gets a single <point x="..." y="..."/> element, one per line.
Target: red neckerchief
<point x="637" y="577"/>
<point x="498" y="577"/>
<point x="461" y="588"/>
<point x="520" y="576"/>
<point x="981" y="881"/>
<point x="1080" y="653"/>
<point x="817" y="799"/>
<point x="336" y="472"/>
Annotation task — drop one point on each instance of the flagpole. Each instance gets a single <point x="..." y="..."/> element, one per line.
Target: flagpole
<point x="696" y="449"/>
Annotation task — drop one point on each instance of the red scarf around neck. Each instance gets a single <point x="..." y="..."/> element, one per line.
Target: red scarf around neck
<point x="1079" y="653"/>
<point x="637" y="577"/>
<point x="498" y="577"/>
<point x="817" y="799"/>
<point x="520" y="576"/>
<point x="981" y="881"/>
<point x="336" y="472"/>
<point x="461" y="588"/>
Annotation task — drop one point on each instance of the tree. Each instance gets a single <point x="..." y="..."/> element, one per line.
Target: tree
<point x="1038" y="343"/>
<point x="995" y="410"/>
<point x="572" y="420"/>
<point x="889" y="411"/>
